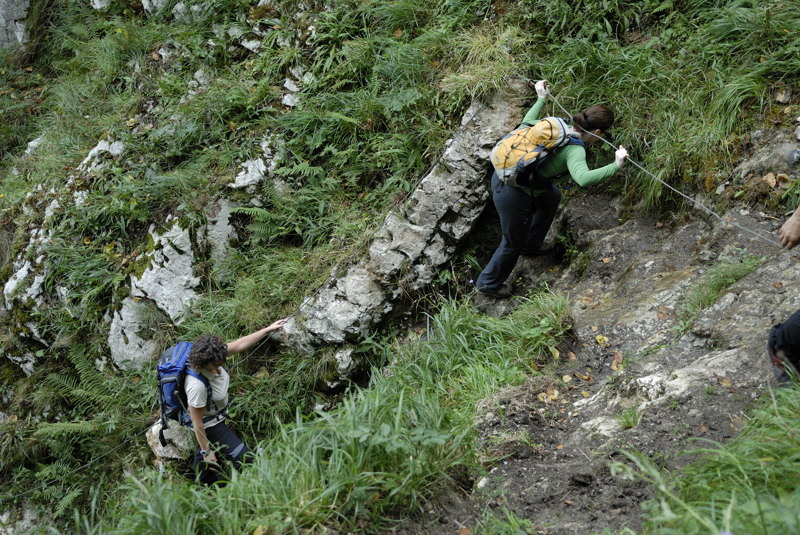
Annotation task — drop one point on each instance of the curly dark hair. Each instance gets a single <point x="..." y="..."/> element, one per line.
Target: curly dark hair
<point x="207" y="349"/>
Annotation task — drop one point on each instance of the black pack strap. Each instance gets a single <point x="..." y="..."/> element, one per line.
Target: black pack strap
<point x="163" y="404"/>
<point x="220" y="414"/>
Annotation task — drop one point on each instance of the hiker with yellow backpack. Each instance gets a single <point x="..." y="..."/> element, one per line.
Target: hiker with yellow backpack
<point x="525" y="162"/>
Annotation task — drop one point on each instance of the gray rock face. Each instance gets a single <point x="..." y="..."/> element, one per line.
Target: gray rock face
<point x="169" y="284"/>
<point x="12" y="22"/>
<point x="219" y="231"/>
<point x="152" y="6"/>
<point x="781" y="154"/>
<point x="414" y="240"/>
<point x="129" y="349"/>
<point x="180" y="441"/>
<point x="169" y="281"/>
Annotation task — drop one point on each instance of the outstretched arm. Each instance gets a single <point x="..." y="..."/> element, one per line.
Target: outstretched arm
<point x="789" y="233"/>
<point x="541" y="93"/>
<point x="247" y="341"/>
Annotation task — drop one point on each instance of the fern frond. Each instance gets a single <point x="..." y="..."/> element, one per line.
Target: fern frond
<point x="65" y="503"/>
<point x="92" y="379"/>
<point x="70" y="429"/>
<point x="252" y="211"/>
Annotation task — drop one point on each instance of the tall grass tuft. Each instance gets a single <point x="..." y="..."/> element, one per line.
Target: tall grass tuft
<point x="748" y="485"/>
<point x="706" y="293"/>
<point x="382" y="452"/>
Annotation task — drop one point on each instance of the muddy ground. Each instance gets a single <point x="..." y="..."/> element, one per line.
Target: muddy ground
<point x="633" y="377"/>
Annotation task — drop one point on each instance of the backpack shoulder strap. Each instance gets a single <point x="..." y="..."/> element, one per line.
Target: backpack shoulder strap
<point x="575" y="141"/>
<point x="209" y="393"/>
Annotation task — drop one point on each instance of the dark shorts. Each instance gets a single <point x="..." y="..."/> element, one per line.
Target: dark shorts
<point x="228" y="446"/>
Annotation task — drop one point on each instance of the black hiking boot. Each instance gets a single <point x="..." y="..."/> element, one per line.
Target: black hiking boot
<point x="539" y="252"/>
<point x="502" y="293"/>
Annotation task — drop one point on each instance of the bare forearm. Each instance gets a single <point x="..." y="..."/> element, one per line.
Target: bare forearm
<point x="199" y="429"/>
<point x="247" y="341"/>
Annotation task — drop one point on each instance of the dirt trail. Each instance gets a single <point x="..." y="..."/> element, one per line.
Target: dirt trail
<point x="635" y="382"/>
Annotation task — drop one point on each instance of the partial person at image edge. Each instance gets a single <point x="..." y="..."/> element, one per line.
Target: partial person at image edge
<point x="783" y="342"/>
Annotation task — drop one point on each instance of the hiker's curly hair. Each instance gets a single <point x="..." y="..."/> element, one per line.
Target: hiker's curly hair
<point x="207" y="349"/>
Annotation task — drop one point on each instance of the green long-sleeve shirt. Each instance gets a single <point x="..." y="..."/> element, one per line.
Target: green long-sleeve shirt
<point x="571" y="158"/>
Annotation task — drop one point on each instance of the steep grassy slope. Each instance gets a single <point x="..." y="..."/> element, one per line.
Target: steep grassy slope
<point x="382" y="85"/>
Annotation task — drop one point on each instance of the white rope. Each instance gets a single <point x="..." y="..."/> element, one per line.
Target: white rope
<point x="697" y="203"/>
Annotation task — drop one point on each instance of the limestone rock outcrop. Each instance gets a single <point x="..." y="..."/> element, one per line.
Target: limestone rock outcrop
<point x="416" y="239"/>
<point x="12" y="22"/>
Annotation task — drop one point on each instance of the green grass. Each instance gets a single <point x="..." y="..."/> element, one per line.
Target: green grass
<point x="714" y="282"/>
<point x="388" y="84"/>
<point x="380" y="453"/>
<point x="629" y="418"/>
<point x="748" y="485"/>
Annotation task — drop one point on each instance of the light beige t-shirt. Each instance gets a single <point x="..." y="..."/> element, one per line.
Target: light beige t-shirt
<point x="197" y="395"/>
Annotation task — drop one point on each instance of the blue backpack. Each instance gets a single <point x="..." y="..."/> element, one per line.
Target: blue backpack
<point x="171" y="372"/>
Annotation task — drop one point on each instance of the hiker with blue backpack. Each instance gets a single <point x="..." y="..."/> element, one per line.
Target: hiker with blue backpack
<point x="194" y="390"/>
<point x="526" y="162"/>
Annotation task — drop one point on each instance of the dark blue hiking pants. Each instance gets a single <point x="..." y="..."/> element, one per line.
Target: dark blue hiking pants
<point x="524" y="221"/>
<point x="226" y="445"/>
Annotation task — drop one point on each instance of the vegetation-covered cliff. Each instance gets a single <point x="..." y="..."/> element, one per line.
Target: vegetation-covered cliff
<point x="175" y="168"/>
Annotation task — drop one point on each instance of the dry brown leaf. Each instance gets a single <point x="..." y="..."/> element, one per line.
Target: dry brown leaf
<point x="778" y="285"/>
<point x="770" y="179"/>
<point x="703" y="428"/>
<point x="570" y="502"/>
<point x="560" y="447"/>
<point x="726" y="382"/>
<point x="464" y="531"/>
<point x="607" y="260"/>
<point x="616" y="362"/>
<point x="136" y="379"/>
<point x="659" y="224"/>
<point x="571" y="355"/>
<point x="398" y="33"/>
<point x="595" y="328"/>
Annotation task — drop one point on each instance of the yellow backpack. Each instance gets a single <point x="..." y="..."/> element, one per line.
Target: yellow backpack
<point x="527" y="146"/>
